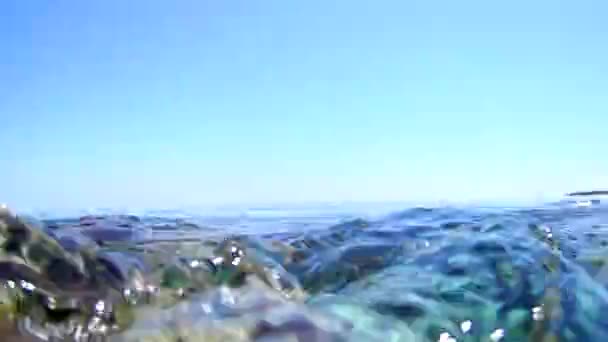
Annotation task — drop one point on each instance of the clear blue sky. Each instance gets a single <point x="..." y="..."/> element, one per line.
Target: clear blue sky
<point x="167" y="103"/>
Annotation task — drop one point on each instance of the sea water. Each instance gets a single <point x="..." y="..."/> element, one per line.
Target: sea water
<point x="263" y="274"/>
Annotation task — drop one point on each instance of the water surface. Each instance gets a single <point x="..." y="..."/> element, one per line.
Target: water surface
<point x="416" y="274"/>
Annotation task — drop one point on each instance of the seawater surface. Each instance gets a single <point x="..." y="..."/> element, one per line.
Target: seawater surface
<point x="417" y="274"/>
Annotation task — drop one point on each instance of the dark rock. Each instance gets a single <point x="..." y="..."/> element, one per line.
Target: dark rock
<point x="61" y="272"/>
<point x="89" y="220"/>
<point x="588" y="193"/>
<point x="299" y="327"/>
<point x="109" y="234"/>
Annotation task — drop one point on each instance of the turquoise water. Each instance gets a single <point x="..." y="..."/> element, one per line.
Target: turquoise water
<point x="418" y="274"/>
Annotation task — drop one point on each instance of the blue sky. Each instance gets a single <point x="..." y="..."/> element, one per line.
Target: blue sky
<point x="170" y="103"/>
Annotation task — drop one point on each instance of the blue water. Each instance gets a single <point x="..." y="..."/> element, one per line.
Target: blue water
<point x="314" y="274"/>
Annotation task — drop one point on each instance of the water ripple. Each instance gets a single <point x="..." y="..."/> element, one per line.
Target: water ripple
<point x="421" y="274"/>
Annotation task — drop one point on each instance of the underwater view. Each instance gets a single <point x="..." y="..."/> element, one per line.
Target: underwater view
<point x="441" y="274"/>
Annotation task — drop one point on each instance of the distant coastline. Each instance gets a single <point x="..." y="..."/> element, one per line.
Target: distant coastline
<point x="588" y="193"/>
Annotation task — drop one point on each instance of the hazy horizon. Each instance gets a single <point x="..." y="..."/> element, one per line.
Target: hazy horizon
<point x="297" y="208"/>
<point x="149" y="104"/>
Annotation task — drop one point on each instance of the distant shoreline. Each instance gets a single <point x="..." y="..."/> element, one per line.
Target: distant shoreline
<point x="588" y="193"/>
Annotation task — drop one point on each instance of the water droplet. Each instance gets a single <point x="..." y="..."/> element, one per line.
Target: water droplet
<point x="445" y="337"/>
<point x="497" y="335"/>
<point x="466" y="326"/>
<point x="27" y="286"/>
<point x="537" y="313"/>
<point x="100" y="307"/>
<point x="52" y="304"/>
<point x="236" y="261"/>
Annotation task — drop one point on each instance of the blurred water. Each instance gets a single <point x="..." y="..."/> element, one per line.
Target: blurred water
<point x="311" y="274"/>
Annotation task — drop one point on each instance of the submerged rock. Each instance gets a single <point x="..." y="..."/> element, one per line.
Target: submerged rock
<point x="53" y="287"/>
<point x="235" y="259"/>
<point x="421" y="275"/>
